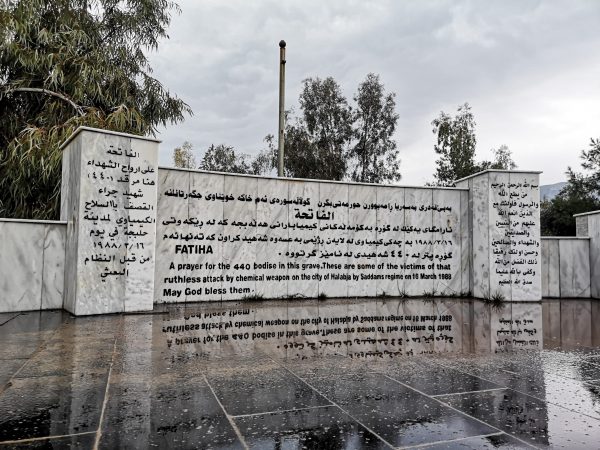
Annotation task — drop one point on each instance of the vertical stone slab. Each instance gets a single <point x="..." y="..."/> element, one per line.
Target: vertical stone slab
<point x="239" y="237"/>
<point x="332" y="215"/>
<point x="303" y="262"/>
<point x="365" y="241"/>
<point x="525" y="235"/>
<point x="390" y="225"/>
<point x="110" y="199"/>
<point x="205" y="226"/>
<point x="418" y="242"/>
<point x="170" y="277"/>
<point x="465" y="245"/>
<point x="588" y="224"/>
<point x="446" y="233"/>
<point x="53" y="276"/>
<point x="574" y="268"/>
<point x="550" y="268"/>
<point x="21" y="265"/>
<point x="501" y="272"/>
<point x="272" y="246"/>
<point x="504" y="219"/>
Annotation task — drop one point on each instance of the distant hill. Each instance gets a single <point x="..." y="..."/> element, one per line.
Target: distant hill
<point x="549" y="191"/>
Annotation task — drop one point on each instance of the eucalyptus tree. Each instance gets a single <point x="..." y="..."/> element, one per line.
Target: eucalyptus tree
<point x="455" y="144"/>
<point x="375" y="151"/>
<point x="67" y="63"/>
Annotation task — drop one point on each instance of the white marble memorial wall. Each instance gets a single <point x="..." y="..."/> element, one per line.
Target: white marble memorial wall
<point x="252" y="237"/>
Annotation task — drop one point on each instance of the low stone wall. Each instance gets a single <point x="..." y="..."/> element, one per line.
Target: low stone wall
<point x="566" y="267"/>
<point x="32" y="256"/>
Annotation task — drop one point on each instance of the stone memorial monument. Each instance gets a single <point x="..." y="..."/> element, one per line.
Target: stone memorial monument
<point x="136" y="234"/>
<point x="108" y="200"/>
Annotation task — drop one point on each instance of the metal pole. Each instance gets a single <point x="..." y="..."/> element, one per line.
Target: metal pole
<point x="281" y="139"/>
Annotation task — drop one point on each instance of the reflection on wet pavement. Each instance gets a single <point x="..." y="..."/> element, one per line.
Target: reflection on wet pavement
<point x="331" y="374"/>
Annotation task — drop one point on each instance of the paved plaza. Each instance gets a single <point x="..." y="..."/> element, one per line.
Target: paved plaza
<point x="121" y="381"/>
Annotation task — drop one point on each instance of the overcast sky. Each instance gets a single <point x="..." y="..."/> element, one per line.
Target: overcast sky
<point x="529" y="69"/>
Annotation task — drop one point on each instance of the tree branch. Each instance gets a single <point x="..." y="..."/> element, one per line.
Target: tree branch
<point x="78" y="108"/>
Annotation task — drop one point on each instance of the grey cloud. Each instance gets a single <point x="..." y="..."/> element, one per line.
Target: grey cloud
<point x="529" y="68"/>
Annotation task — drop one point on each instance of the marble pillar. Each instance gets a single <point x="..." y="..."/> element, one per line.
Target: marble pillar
<point x="504" y="227"/>
<point x="108" y="199"/>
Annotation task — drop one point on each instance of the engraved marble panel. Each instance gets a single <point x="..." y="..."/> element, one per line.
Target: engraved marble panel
<point x="53" y="277"/>
<point x="21" y="265"/>
<point x="114" y="221"/>
<point x="272" y="248"/>
<point x="574" y="268"/>
<point x="499" y="235"/>
<point x="171" y="231"/>
<point x="141" y="226"/>
<point x="101" y="257"/>
<point x="480" y="210"/>
<point x="446" y="242"/>
<point x="206" y="212"/>
<point x="594" y="233"/>
<point x="390" y="223"/>
<point x="525" y="236"/>
<point x="418" y="221"/>
<point x="365" y="241"/>
<point x="332" y="213"/>
<point x="239" y="237"/>
<point x="303" y="267"/>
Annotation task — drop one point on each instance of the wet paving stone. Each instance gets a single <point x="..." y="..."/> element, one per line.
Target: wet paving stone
<point x="7" y="369"/>
<point x="497" y="441"/>
<point x="76" y="442"/>
<point x="167" y="412"/>
<point x="162" y="393"/>
<point x="315" y="428"/>
<point x="529" y="419"/>
<point x="433" y="379"/>
<point x="398" y="414"/>
<point x="51" y="406"/>
<point x="250" y="390"/>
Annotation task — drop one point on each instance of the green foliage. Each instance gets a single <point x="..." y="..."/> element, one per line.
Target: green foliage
<point x="332" y="141"/>
<point x="375" y="119"/>
<point x="455" y="144"/>
<point x="223" y="158"/>
<point x="183" y="156"/>
<point x="316" y="144"/>
<point x="581" y="194"/>
<point x="68" y="63"/>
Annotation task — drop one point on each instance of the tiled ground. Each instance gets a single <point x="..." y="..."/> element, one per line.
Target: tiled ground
<point x="113" y="382"/>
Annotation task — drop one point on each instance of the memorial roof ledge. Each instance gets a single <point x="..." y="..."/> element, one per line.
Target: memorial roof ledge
<point x="498" y="170"/>
<point x="114" y="133"/>
<point x="589" y="213"/>
<point x="311" y="180"/>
